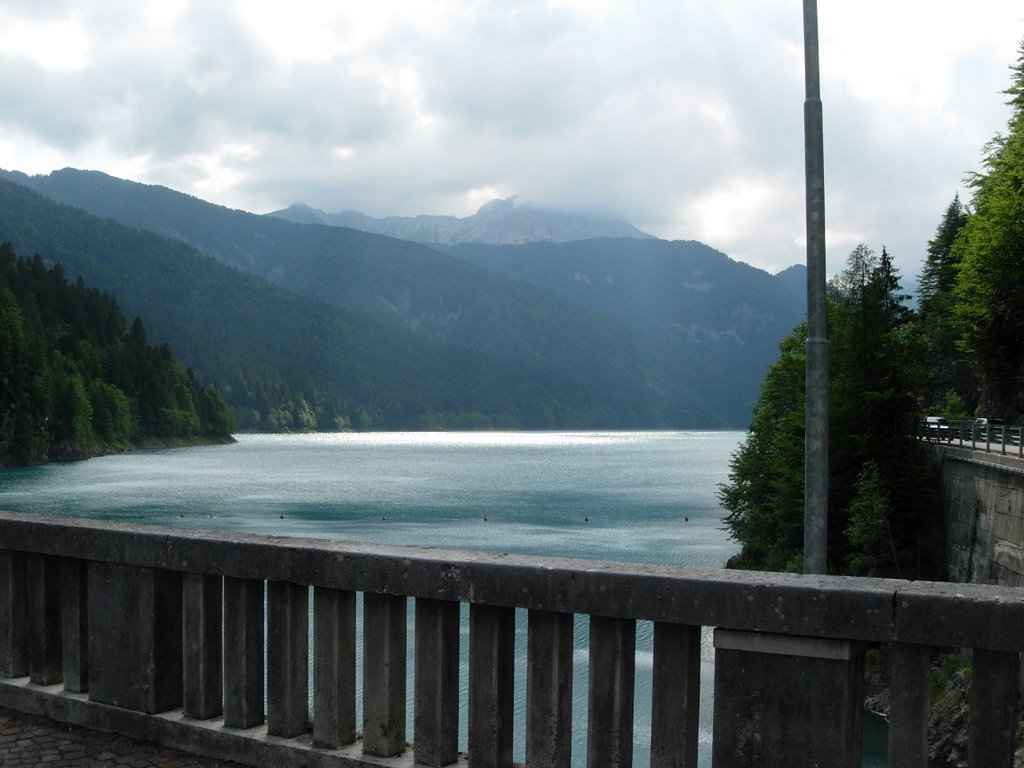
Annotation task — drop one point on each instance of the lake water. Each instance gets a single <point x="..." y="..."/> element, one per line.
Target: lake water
<point x="627" y="496"/>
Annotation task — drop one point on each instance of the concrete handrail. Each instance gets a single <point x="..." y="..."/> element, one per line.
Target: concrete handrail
<point x="65" y="578"/>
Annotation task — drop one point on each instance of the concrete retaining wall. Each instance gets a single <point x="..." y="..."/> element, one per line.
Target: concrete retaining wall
<point x="983" y="507"/>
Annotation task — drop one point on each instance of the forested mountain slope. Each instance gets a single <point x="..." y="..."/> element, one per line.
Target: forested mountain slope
<point x="284" y="362"/>
<point x="681" y="300"/>
<point x="76" y="380"/>
<point x="698" y="364"/>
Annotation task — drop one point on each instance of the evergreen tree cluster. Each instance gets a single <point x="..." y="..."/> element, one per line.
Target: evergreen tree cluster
<point x="881" y="489"/>
<point x="972" y="288"/>
<point x="77" y="380"/>
<point x="961" y="354"/>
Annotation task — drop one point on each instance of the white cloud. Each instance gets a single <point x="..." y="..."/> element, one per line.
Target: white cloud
<point x="53" y="44"/>
<point x="683" y="117"/>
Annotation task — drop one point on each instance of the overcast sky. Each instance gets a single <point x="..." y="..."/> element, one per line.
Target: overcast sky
<point x="684" y="117"/>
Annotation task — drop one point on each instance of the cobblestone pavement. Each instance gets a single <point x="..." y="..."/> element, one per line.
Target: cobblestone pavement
<point x="29" y="740"/>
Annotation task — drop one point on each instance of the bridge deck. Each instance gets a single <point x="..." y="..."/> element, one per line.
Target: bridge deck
<point x="31" y="740"/>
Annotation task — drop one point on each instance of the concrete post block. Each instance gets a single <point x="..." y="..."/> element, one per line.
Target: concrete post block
<point x="819" y="720"/>
<point x="202" y="609"/>
<point x="287" y="659"/>
<point x="436" y="699"/>
<point x="334" y="667"/>
<point x="14" y="614"/>
<point x="993" y="696"/>
<point x="675" y="696"/>
<point x="384" y="674"/>
<point x="909" y="702"/>
<point x="549" y="689"/>
<point x="75" y="621"/>
<point x="46" y="663"/>
<point x="612" y="673"/>
<point x="135" y="643"/>
<point x="243" y="652"/>
<point x="492" y="645"/>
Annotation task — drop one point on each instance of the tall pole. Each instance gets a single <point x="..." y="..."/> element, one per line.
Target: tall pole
<point x="816" y="424"/>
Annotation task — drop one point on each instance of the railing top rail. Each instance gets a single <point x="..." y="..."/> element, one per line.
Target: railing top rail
<point x="873" y="610"/>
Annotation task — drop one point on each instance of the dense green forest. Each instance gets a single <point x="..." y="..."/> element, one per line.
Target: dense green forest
<point x="881" y="494"/>
<point x="960" y="354"/>
<point x="76" y="380"/>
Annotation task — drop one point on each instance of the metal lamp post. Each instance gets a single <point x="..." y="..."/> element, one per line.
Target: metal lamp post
<point x="816" y="423"/>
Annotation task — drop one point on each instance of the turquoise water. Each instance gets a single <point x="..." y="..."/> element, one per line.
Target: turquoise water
<point x="626" y="496"/>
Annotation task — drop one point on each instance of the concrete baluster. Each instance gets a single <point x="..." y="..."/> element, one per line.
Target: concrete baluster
<point x="675" y="696"/>
<point x="993" y="696"/>
<point x="202" y="612"/>
<point x="287" y="659"/>
<point x="75" y="623"/>
<point x="334" y="667"/>
<point x="46" y="660"/>
<point x="909" y="700"/>
<point x="549" y="689"/>
<point x="243" y="652"/>
<point x="436" y="699"/>
<point x="135" y="643"/>
<point x="491" y="684"/>
<point x="612" y="673"/>
<point x="14" y="622"/>
<point x="384" y="674"/>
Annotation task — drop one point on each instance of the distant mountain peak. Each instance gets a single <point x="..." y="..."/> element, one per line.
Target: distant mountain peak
<point x="498" y="205"/>
<point x="503" y="221"/>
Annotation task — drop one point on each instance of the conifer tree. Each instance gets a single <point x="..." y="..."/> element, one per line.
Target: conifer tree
<point x="880" y="499"/>
<point x="989" y="291"/>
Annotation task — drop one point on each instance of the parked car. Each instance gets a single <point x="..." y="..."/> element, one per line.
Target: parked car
<point x="988" y="429"/>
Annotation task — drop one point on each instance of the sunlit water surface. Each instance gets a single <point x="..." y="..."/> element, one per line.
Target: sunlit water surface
<point x="628" y="496"/>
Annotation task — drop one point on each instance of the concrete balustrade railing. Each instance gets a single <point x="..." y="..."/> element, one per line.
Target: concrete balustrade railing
<point x="160" y="633"/>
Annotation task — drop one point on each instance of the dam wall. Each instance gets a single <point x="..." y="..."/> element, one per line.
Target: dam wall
<point x="983" y="511"/>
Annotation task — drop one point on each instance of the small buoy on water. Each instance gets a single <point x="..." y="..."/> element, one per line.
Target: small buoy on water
<point x="282" y="516"/>
<point x="586" y="518"/>
<point x="686" y="519"/>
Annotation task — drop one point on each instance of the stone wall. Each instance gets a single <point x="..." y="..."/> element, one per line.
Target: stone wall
<point x="983" y="507"/>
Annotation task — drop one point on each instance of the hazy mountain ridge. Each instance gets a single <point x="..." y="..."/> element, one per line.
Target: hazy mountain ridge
<point x="663" y="334"/>
<point x="795" y="280"/>
<point x="498" y="222"/>
<point x="683" y="300"/>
